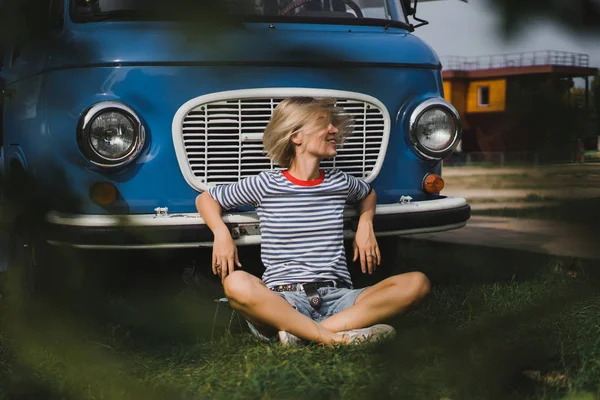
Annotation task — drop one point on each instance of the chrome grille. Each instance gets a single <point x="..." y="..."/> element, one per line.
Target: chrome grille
<point x="222" y="140"/>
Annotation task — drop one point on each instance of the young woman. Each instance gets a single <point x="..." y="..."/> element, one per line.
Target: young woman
<point x="306" y="291"/>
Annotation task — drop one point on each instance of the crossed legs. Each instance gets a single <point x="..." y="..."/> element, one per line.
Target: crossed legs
<point x="392" y="296"/>
<point x="263" y="307"/>
<point x="384" y="300"/>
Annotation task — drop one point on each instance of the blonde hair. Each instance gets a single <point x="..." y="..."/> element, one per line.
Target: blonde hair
<point x="291" y="115"/>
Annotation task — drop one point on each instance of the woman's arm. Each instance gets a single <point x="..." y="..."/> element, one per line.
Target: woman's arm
<point x="225" y="253"/>
<point x="366" y="207"/>
<point x="365" y="243"/>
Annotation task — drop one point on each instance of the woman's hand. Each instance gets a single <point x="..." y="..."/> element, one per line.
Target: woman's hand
<point x="225" y="254"/>
<point x="365" y="246"/>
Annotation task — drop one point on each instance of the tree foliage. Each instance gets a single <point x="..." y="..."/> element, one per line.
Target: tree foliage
<point x="580" y="16"/>
<point x="29" y="19"/>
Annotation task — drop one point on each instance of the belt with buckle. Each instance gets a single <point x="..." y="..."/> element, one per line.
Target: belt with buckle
<point x="293" y="287"/>
<point x="310" y="290"/>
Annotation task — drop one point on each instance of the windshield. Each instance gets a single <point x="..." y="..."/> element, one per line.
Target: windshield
<point x="350" y="11"/>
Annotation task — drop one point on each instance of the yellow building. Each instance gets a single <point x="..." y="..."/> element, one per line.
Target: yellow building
<point x="488" y="93"/>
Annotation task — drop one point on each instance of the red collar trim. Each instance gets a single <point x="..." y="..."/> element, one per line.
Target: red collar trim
<point x="300" y="182"/>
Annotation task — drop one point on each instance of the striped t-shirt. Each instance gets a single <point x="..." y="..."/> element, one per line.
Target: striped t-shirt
<point x="301" y="222"/>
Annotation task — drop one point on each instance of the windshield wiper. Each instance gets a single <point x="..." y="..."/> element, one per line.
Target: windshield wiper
<point x="385" y="23"/>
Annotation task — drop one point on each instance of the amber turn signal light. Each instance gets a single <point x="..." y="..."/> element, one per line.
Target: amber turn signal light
<point x="103" y="193"/>
<point x="433" y="184"/>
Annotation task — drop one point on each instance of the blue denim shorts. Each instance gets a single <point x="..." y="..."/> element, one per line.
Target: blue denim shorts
<point x="334" y="301"/>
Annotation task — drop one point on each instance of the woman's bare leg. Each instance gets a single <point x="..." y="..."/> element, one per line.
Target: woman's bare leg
<point x="248" y="295"/>
<point x="381" y="301"/>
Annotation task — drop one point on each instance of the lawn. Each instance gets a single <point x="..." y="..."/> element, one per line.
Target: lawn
<point x="542" y="177"/>
<point x="578" y="211"/>
<point x="554" y="188"/>
<point x="482" y="335"/>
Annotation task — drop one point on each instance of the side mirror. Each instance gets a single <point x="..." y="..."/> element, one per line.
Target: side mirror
<point x="413" y="11"/>
<point x="407" y="7"/>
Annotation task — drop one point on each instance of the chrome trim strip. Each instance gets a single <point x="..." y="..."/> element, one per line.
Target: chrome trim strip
<point x="175" y="219"/>
<point x="243" y="241"/>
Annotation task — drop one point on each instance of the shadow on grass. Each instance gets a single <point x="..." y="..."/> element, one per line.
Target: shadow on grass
<point x="468" y="265"/>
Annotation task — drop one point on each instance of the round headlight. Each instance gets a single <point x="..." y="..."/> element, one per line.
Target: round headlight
<point x="110" y="134"/>
<point x="435" y="128"/>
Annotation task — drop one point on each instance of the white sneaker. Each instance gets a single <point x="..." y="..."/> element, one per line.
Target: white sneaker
<point x="287" y="339"/>
<point x="372" y="334"/>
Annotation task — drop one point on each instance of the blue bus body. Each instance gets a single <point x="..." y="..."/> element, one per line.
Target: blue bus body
<point x="155" y="68"/>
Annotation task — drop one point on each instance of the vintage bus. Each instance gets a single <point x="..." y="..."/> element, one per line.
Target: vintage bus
<point x="121" y="112"/>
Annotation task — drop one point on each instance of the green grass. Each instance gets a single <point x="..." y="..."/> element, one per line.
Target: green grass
<point x="530" y="198"/>
<point x="534" y="198"/>
<point x="467" y="341"/>
<point x="581" y="211"/>
<point x="545" y="177"/>
<point x="494" y="181"/>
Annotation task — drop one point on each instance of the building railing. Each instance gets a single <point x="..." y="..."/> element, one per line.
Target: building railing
<point x="509" y="60"/>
